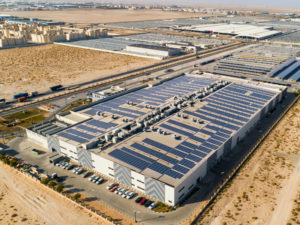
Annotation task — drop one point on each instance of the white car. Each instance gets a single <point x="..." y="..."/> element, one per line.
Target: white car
<point x="130" y="195"/>
<point x="153" y="205"/>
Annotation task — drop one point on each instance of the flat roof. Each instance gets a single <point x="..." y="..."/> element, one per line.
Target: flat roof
<point x="242" y="30"/>
<point x="199" y="129"/>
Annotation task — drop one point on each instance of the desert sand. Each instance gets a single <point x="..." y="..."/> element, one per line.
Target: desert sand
<point x="37" y="68"/>
<point x="265" y="190"/>
<point x="101" y="15"/>
<point x="25" y="201"/>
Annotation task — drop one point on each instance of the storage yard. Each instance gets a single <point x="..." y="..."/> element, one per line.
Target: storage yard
<point x="161" y="140"/>
<point x="37" y="68"/>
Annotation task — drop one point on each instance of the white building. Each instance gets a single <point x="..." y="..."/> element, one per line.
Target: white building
<point x="161" y="140"/>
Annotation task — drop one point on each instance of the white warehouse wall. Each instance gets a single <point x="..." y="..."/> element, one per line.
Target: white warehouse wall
<point x="103" y="165"/>
<point x="37" y="138"/>
<point x="69" y="150"/>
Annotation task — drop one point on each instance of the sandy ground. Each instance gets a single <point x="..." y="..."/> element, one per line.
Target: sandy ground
<point x="101" y="15"/>
<point x="23" y="201"/>
<point x="265" y="190"/>
<point x="38" y="68"/>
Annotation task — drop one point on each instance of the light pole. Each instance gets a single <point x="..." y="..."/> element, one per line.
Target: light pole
<point x="135" y="215"/>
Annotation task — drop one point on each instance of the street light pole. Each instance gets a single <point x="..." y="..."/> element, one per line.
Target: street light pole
<point x="135" y="220"/>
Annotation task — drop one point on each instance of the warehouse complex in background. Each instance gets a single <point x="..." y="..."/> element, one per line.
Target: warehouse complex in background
<point x="236" y="30"/>
<point x="163" y="138"/>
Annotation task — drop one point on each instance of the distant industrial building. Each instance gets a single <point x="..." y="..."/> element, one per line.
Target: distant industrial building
<point x="161" y="139"/>
<point x="236" y="30"/>
<point x="152" y="50"/>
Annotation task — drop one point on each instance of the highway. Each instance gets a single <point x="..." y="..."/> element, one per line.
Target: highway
<point x="179" y="65"/>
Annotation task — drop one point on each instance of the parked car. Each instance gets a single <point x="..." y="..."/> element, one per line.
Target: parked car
<point x="92" y="177"/>
<point x="100" y="180"/>
<point x="143" y="201"/>
<point x="117" y="190"/>
<point x="138" y="199"/>
<point x="153" y="206"/>
<point x="121" y="191"/>
<point x="124" y="195"/>
<point x="54" y="176"/>
<point x="130" y="195"/>
<point x="69" y="167"/>
<point x="169" y="70"/>
<point x="94" y="180"/>
<point x="148" y="203"/>
<point x="86" y="174"/>
<point x="79" y="171"/>
<point x="113" y="189"/>
<point x="111" y="186"/>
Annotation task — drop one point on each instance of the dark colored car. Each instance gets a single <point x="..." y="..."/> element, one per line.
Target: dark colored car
<point x="148" y="203"/>
<point x="138" y="199"/>
<point x="143" y="201"/>
<point x="113" y="188"/>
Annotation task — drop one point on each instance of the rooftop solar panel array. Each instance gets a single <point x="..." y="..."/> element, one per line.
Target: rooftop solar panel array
<point x="225" y="111"/>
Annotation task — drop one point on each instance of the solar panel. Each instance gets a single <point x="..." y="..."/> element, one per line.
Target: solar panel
<point x="193" y="158"/>
<point x="129" y="159"/>
<point x="187" y="163"/>
<point x="80" y="134"/>
<point x="199" y="153"/>
<point x="184" y="149"/>
<point x="158" y="167"/>
<point x="89" y="129"/>
<point x="164" y="147"/>
<point x="180" y="169"/>
<point x="183" y="125"/>
<point x="154" y="153"/>
<point x="129" y="151"/>
<point x="204" y="149"/>
<point x="72" y="137"/>
<point x="188" y="144"/>
<point x="174" y="174"/>
<point x="101" y="124"/>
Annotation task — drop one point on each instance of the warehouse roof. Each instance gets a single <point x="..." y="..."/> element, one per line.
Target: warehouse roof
<point x="178" y="144"/>
<point x="154" y="47"/>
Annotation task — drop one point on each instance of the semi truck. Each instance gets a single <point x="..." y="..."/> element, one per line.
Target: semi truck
<point x="16" y="96"/>
<point x="56" y="87"/>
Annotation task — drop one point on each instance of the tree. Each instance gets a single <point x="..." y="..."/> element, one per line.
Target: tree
<point x="45" y="181"/>
<point x="52" y="184"/>
<point x="77" y="196"/>
<point x="59" y="188"/>
<point x="13" y="162"/>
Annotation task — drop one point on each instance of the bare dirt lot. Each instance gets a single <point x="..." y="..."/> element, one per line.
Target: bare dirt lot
<point x="102" y="15"/>
<point x="265" y="190"/>
<point x="38" y="68"/>
<point x="23" y="201"/>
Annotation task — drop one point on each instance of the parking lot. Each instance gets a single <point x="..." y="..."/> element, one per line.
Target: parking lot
<point x="22" y="148"/>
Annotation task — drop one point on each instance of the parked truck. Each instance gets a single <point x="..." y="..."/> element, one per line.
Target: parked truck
<point x="56" y="87"/>
<point x="2" y="102"/>
<point x="16" y="96"/>
<point x="34" y="94"/>
<point x="22" y="99"/>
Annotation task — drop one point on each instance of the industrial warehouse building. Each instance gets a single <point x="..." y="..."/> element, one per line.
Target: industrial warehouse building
<point x="237" y="30"/>
<point x="161" y="139"/>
